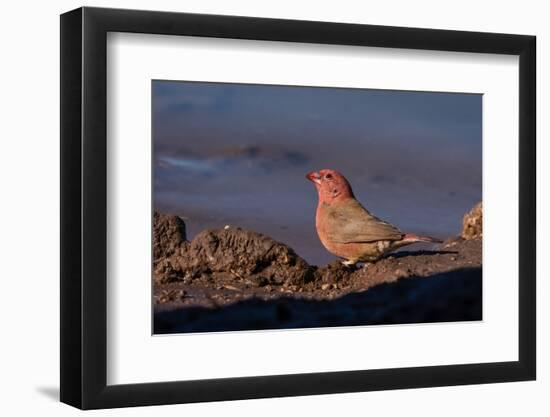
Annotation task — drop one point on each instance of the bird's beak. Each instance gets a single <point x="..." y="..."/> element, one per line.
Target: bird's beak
<point x="314" y="177"/>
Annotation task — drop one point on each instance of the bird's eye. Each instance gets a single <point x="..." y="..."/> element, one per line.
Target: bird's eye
<point x="328" y="176"/>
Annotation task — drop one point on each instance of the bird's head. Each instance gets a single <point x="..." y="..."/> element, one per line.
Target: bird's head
<point x="331" y="185"/>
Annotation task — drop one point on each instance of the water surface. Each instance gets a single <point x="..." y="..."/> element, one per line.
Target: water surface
<point x="237" y="154"/>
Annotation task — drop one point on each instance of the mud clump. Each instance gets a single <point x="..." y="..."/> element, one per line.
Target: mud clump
<point x="168" y="235"/>
<point x="334" y="275"/>
<point x="472" y="223"/>
<point x="169" y="242"/>
<point x="244" y="255"/>
<point x="229" y="254"/>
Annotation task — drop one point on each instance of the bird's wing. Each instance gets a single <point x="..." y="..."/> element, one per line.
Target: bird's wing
<point x="350" y="222"/>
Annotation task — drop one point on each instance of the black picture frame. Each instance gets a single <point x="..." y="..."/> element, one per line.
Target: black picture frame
<point x="84" y="207"/>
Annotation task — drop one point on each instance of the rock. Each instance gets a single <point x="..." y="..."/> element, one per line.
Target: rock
<point x="472" y="224"/>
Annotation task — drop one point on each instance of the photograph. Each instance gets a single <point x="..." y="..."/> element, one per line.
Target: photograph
<point x="288" y="207"/>
<point x="265" y="206"/>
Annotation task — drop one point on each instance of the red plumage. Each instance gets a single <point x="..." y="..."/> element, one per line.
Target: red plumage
<point x="347" y="229"/>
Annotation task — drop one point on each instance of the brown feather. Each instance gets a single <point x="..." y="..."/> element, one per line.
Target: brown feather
<point x="349" y="222"/>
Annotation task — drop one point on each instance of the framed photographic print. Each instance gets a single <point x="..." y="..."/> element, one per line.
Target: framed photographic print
<point x="258" y="207"/>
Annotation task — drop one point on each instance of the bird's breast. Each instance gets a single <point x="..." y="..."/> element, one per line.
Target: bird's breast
<point x="325" y="224"/>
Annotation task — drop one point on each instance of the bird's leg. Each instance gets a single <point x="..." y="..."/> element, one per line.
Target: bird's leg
<point x="349" y="262"/>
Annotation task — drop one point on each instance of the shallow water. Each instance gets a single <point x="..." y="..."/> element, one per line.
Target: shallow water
<point x="238" y="154"/>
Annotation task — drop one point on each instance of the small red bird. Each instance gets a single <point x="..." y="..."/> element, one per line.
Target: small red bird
<point x="347" y="229"/>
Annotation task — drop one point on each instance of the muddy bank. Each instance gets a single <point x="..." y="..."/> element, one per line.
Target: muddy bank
<point x="447" y="297"/>
<point x="231" y="279"/>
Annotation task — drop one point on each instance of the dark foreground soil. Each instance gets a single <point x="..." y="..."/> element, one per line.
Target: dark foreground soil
<point x="234" y="279"/>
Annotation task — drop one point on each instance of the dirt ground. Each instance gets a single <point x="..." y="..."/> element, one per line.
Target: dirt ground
<point x="234" y="279"/>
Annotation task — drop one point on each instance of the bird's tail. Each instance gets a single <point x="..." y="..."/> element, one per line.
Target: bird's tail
<point x="411" y="237"/>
